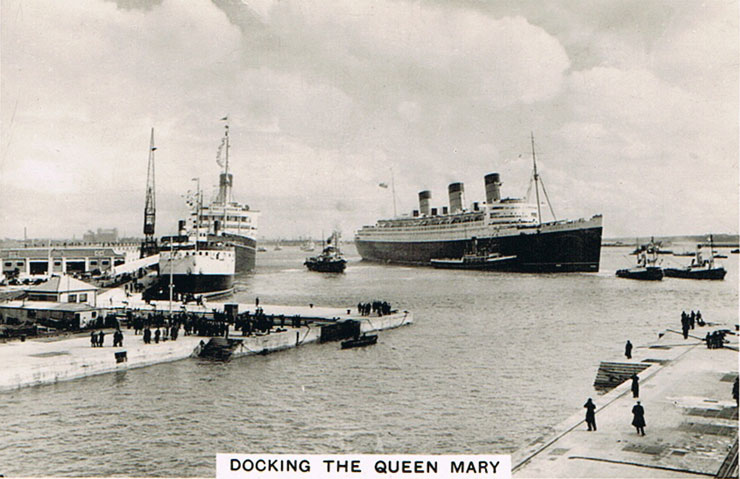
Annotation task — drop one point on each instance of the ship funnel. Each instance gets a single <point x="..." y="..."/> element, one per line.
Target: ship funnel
<point x="424" y="197"/>
<point x="225" y="182"/>
<point x="457" y="197"/>
<point x="493" y="181"/>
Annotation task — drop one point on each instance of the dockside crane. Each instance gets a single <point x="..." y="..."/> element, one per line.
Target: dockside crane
<point x="149" y="246"/>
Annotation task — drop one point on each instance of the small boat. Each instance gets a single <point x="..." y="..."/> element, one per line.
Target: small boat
<point x="330" y="260"/>
<point x="684" y="253"/>
<point x="308" y="246"/>
<point x="364" y="340"/>
<point x="719" y="256"/>
<point x="646" y="269"/>
<point x="700" y="268"/>
<point x="261" y="249"/>
<point x="735" y="251"/>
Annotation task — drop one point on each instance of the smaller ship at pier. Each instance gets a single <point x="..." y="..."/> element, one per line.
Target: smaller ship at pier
<point x="330" y="260"/>
<point x="700" y="267"/>
<point x="647" y="268"/>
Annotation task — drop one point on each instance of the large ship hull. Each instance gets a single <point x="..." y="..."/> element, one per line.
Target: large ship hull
<point x="197" y="283"/>
<point x="245" y="249"/>
<point x="537" y="250"/>
<point x="205" y="271"/>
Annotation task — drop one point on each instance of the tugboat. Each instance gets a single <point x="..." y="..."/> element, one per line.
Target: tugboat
<point x="478" y="259"/>
<point x="330" y="260"/>
<point x="700" y="268"/>
<point x="646" y="269"/>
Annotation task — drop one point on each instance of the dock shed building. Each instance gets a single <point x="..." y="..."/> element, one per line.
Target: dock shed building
<point x="42" y="261"/>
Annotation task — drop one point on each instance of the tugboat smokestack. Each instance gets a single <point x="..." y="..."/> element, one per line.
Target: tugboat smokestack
<point x="424" y="197"/>
<point x="457" y="197"/>
<point x="493" y="182"/>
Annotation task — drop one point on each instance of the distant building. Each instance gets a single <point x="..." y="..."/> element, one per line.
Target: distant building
<point x="103" y="235"/>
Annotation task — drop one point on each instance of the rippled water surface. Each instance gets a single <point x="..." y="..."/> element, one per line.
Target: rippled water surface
<point x="492" y="362"/>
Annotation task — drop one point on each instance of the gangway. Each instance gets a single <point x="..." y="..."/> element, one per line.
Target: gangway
<point x="133" y="266"/>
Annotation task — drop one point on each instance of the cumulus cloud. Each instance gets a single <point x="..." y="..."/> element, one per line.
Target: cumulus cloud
<point x="324" y="98"/>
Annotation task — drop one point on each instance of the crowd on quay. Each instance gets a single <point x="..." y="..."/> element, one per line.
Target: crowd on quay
<point x="156" y="327"/>
<point x="381" y="308"/>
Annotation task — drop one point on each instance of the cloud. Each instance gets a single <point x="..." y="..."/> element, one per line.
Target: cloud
<point x="324" y="98"/>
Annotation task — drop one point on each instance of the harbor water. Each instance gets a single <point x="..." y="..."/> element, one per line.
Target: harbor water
<point x="493" y="361"/>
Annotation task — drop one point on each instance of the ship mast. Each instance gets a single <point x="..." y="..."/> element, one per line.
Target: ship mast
<point x="537" y="181"/>
<point x="225" y="180"/>
<point x="149" y="246"/>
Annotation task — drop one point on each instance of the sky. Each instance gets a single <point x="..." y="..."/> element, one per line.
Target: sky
<point x="633" y="106"/>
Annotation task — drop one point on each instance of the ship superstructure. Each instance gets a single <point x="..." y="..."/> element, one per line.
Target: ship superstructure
<point x="506" y="227"/>
<point x="224" y="219"/>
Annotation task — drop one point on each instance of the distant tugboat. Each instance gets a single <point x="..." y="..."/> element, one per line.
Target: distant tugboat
<point x="700" y="268"/>
<point x="330" y="260"/>
<point x="646" y="269"/>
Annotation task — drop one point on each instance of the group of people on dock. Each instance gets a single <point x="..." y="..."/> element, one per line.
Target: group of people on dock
<point x="158" y="327"/>
<point x="689" y="321"/>
<point x="715" y="339"/>
<point x="97" y="339"/>
<point x="381" y="308"/>
<point x="638" y="414"/>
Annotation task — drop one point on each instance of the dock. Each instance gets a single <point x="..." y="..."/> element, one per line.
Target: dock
<point x="690" y="414"/>
<point x="47" y="360"/>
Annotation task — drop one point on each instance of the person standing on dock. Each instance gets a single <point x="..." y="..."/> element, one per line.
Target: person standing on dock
<point x="628" y="349"/>
<point x="590" y="414"/>
<point x="635" y="386"/>
<point x="735" y="395"/>
<point x="101" y="338"/>
<point x="93" y="339"/>
<point x="638" y="419"/>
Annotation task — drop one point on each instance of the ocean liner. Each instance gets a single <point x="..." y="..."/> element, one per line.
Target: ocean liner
<point x="224" y="220"/>
<point x="503" y="227"/>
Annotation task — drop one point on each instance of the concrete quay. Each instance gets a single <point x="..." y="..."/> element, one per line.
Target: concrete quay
<point x="49" y="360"/>
<point x="691" y="416"/>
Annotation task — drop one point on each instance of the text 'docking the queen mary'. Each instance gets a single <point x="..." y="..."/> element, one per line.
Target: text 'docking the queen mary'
<point x="361" y="466"/>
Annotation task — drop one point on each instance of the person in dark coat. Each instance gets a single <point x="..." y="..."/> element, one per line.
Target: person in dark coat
<point x="638" y="418"/>
<point x="101" y="338"/>
<point x="93" y="339"/>
<point x="628" y="349"/>
<point x="156" y="336"/>
<point x="635" y="386"/>
<point x="590" y="414"/>
<point x="735" y="391"/>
